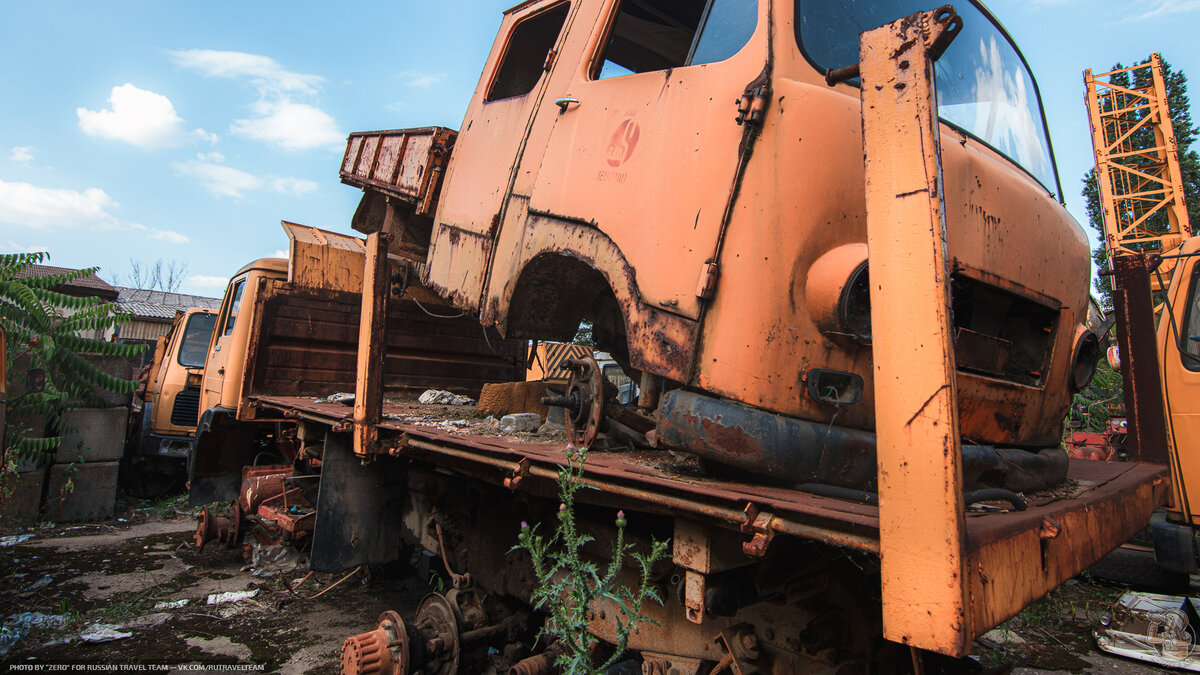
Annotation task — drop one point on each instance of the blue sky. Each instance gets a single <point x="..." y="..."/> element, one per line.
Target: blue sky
<point x="186" y="131"/>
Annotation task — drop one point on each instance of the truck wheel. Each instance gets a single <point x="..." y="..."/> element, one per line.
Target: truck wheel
<point x="1136" y="569"/>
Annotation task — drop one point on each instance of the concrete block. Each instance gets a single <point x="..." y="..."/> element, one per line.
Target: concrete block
<point x="512" y="397"/>
<point x="24" y="496"/>
<point x="96" y="434"/>
<point x="511" y="424"/>
<point x="93" y="497"/>
<point x="114" y="366"/>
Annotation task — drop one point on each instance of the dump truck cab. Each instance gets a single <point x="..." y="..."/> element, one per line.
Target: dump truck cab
<point x="682" y="175"/>
<point x="231" y="338"/>
<point x="1175" y="543"/>
<point x="172" y="399"/>
<point x="160" y="437"/>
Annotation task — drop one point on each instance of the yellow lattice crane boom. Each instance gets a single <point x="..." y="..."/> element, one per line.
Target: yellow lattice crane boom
<point x="1137" y="161"/>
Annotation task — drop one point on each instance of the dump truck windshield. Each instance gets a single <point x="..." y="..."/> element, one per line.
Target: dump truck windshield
<point x="983" y="84"/>
<point x="194" y="350"/>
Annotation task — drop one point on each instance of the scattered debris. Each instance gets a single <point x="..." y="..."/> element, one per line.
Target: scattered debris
<point x="13" y="540"/>
<point x="511" y="424"/>
<point x="18" y="626"/>
<point x="150" y="620"/>
<point x="340" y="397"/>
<point x="491" y="421"/>
<point x="231" y="596"/>
<point x="999" y="638"/>
<point x="272" y="559"/>
<point x="172" y="604"/>
<point x="103" y="632"/>
<point x="441" y="397"/>
<point x="1152" y="627"/>
<point x="39" y="584"/>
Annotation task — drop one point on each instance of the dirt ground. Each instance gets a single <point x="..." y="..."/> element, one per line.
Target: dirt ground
<point x="114" y="573"/>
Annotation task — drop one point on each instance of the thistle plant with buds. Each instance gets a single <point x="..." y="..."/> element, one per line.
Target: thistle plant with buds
<point x="569" y="585"/>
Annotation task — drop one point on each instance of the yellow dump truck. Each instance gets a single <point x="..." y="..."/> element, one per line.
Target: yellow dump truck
<point x="161" y="437"/>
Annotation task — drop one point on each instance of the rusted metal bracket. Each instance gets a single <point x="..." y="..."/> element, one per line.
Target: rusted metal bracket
<point x="742" y="650"/>
<point x="400" y="445"/>
<point x="514" y="481"/>
<point x="758" y="524"/>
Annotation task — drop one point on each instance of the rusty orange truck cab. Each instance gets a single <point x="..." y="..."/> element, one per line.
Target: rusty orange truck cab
<point x="682" y="175"/>
<point x="162" y="436"/>
<point x="1175" y="536"/>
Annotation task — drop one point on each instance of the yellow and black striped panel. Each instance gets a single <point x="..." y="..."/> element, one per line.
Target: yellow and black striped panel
<point x="547" y="362"/>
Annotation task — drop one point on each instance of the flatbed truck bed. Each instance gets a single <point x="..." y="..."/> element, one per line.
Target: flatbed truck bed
<point x="1059" y="525"/>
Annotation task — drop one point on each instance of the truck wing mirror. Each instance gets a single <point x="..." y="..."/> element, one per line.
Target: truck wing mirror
<point x="35" y="381"/>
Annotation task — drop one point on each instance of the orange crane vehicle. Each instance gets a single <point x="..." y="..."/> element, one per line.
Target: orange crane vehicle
<point x="1152" y="251"/>
<point x="838" y="267"/>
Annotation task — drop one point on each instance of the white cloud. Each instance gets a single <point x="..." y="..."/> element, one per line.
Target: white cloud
<point x="22" y="154"/>
<point x="207" y="281"/>
<point x="27" y="205"/>
<point x="419" y="79"/>
<point x="39" y="208"/>
<point x="281" y="253"/>
<point x="21" y="248"/>
<point x="139" y="117"/>
<point x="226" y="181"/>
<point x="170" y="236"/>
<point x="284" y="115"/>
<point x="263" y="71"/>
<point x="223" y="181"/>
<point x="1168" y="7"/>
<point x="294" y="186"/>
<point x="291" y="126"/>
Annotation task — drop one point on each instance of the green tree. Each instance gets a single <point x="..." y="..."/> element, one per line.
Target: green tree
<point x="1185" y="134"/>
<point x="44" y="330"/>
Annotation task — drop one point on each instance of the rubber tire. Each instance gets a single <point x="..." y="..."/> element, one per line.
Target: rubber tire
<point x="1137" y="570"/>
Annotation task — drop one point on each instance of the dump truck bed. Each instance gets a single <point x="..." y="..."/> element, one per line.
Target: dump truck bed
<point x="402" y="163"/>
<point x="1015" y="556"/>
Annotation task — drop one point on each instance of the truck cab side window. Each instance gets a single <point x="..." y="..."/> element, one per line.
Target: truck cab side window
<point x="1190" y="330"/>
<point x="235" y="303"/>
<point x="524" y="57"/>
<point x="659" y="34"/>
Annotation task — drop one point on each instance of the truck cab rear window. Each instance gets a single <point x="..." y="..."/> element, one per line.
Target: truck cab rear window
<point x="524" y="57"/>
<point x="659" y="34"/>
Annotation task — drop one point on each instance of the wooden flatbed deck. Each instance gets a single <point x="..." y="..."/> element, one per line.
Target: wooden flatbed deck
<point x="662" y="483"/>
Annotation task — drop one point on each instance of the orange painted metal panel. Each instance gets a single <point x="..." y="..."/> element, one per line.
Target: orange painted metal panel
<point x="916" y="408"/>
<point x="1181" y="381"/>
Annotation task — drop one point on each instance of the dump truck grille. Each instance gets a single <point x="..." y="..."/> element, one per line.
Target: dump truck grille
<point x="1001" y="334"/>
<point x="187" y="408"/>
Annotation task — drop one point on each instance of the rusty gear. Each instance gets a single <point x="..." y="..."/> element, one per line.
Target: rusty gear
<point x="383" y="651"/>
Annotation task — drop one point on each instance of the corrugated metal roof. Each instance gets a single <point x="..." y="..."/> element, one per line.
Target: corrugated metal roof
<point x="87" y="286"/>
<point x="148" y="304"/>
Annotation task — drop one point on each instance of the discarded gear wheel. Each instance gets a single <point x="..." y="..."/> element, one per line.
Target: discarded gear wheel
<point x="437" y="619"/>
<point x="586" y="388"/>
<point x="383" y="651"/>
<point x="224" y="528"/>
